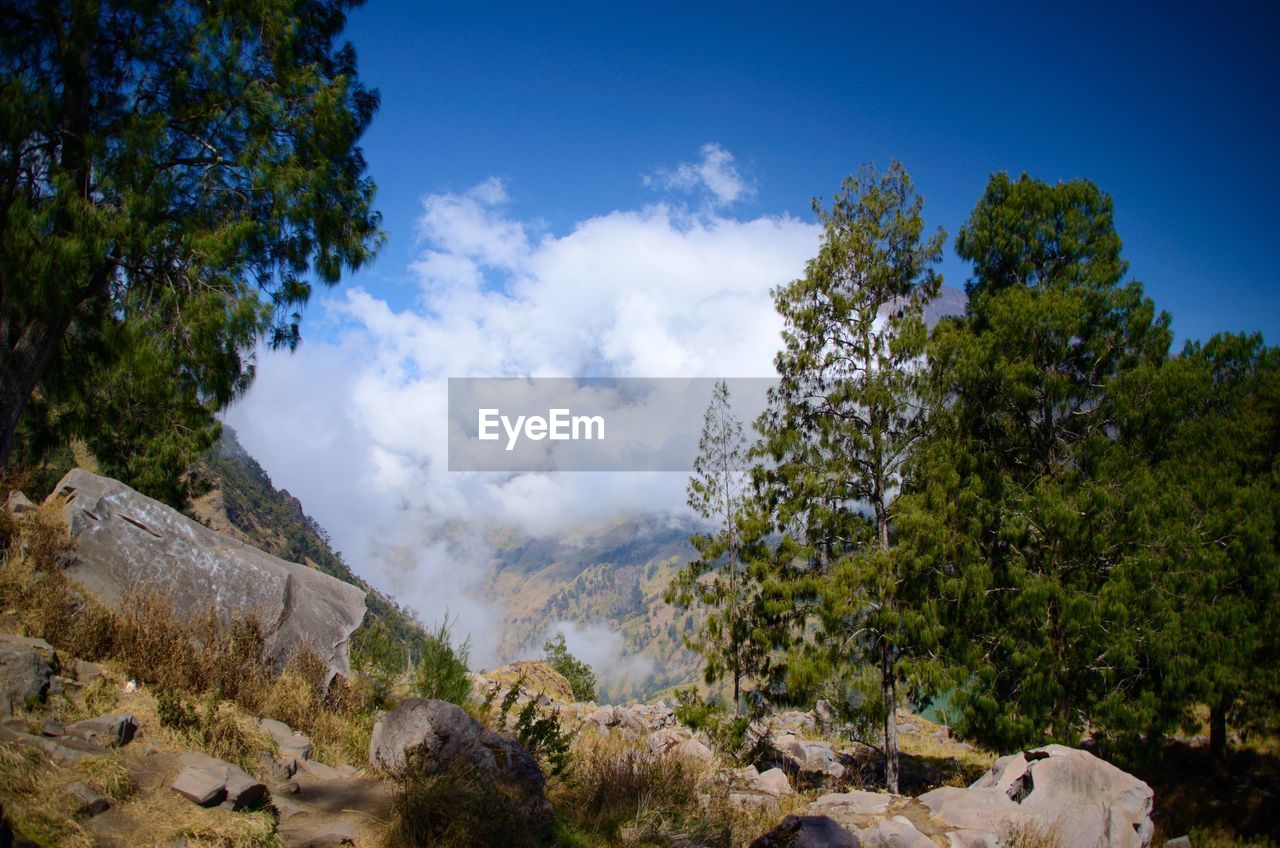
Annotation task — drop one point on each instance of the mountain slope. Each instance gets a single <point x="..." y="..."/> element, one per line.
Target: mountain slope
<point x="611" y="577"/>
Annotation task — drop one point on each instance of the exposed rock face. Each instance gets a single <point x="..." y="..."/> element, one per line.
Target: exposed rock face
<point x="1070" y="795"/>
<point x="127" y="542"/>
<point x="1090" y="801"/>
<point x="446" y="734"/>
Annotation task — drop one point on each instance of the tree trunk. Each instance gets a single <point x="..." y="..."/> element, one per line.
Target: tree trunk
<point x="21" y="366"/>
<point x="889" y="686"/>
<point x="1218" y="729"/>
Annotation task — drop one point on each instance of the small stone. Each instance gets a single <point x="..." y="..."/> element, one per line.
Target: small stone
<point x="1178" y="842"/>
<point x="109" y="729"/>
<point x="199" y="786"/>
<point x="89" y="803"/>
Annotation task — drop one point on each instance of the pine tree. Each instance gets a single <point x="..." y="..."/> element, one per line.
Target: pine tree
<point x="845" y="418"/>
<point x="722" y="577"/>
<point x="176" y="177"/>
<point x="1026" y="498"/>
<point x="1217" y="519"/>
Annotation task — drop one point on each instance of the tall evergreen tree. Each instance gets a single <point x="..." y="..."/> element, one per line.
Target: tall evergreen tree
<point x="1021" y="500"/>
<point x="846" y="415"/>
<point x="1216" y="522"/>
<point x="175" y="176"/>
<point x="722" y="577"/>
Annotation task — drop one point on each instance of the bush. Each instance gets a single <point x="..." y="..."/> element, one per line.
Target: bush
<point x="442" y="668"/>
<point x="728" y="734"/>
<point x="454" y="805"/>
<point x="582" y="680"/>
<point x="540" y="733"/>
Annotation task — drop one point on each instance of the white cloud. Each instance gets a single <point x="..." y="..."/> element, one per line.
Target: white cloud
<point x="356" y="427"/>
<point x="714" y="173"/>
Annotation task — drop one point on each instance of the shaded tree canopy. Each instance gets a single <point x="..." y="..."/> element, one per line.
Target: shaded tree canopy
<point x="174" y="176"/>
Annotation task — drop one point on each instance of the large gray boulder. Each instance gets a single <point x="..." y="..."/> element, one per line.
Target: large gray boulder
<point x="446" y="735"/>
<point x="813" y="762"/>
<point x="1085" y="801"/>
<point x="127" y="542"/>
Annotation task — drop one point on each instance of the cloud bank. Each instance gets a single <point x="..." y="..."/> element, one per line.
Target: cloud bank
<point x="355" y="425"/>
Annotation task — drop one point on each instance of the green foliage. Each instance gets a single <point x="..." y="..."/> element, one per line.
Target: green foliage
<point x="842" y="425"/>
<point x="1026" y="503"/>
<point x="724" y="577"/>
<point x="181" y="176"/>
<point x="537" y="730"/>
<point x="441" y="671"/>
<point x="582" y="680"/>
<point x="1215" y="499"/>
<point x="728" y="733"/>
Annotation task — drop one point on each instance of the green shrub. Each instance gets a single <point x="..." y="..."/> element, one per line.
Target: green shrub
<point x="539" y="732"/>
<point x="442" y="668"/>
<point x="582" y="680"/>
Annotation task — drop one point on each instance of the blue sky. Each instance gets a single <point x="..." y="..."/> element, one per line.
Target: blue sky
<point x="615" y="190"/>
<point x="1172" y="111"/>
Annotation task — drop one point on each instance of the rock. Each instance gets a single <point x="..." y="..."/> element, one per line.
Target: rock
<point x="824" y="715"/>
<point x="27" y="669"/>
<point x="329" y="834"/>
<point x="88" y="802"/>
<point x="275" y="771"/>
<point x="773" y="782"/>
<point x="695" y="750"/>
<point x="537" y="677"/>
<point x="662" y="741"/>
<point x="291" y="746"/>
<point x="200" y="787"/>
<point x="208" y="781"/>
<point x="53" y="728"/>
<point x="64" y="750"/>
<point x="87" y="672"/>
<point x="1089" y="802"/>
<point x="125" y="540"/>
<point x="319" y="771"/>
<point x="811" y="761"/>
<point x="446" y="735"/>
<point x="854" y="808"/>
<point x="1178" y="842"/>
<point x="897" y="832"/>
<point x="110" y="729"/>
<point x="807" y="832"/>
<point x="19" y="503"/>
<point x="794" y="722"/>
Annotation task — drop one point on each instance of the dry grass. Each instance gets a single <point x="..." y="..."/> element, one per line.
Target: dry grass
<point x="1033" y="835"/>
<point x="456" y="805"/>
<point x="615" y="792"/>
<point x="163" y="817"/>
<point x="34" y="801"/>
<point x="108" y="775"/>
<point x="339" y="720"/>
